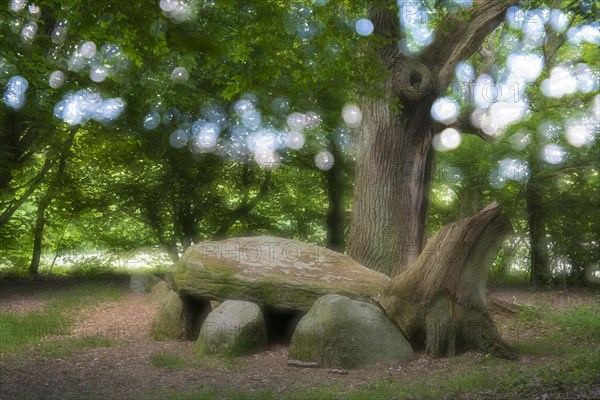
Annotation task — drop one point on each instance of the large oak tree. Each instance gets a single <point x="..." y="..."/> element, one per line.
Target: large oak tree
<point x="394" y="145"/>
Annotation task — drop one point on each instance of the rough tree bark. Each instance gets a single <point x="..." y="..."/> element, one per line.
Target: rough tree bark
<point x="394" y="146"/>
<point x="439" y="302"/>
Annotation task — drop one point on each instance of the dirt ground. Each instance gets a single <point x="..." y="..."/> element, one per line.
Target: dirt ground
<point x="124" y="369"/>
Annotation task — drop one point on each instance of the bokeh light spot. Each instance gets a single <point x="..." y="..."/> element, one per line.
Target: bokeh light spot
<point x="324" y="161"/>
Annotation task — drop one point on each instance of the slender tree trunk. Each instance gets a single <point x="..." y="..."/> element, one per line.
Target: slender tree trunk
<point x="51" y="192"/>
<point x="540" y="270"/>
<point x="38" y="232"/>
<point x="58" y="245"/>
<point x="152" y="217"/>
<point x="470" y="198"/>
<point x="189" y="224"/>
<point x="182" y="220"/>
<point x="390" y="192"/>
<point x="171" y="249"/>
<point x="540" y="274"/>
<point x="336" y="227"/>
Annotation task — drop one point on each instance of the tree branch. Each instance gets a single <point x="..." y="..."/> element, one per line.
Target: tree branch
<point x="35" y="183"/>
<point x="464" y="125"/>
<point x="459" y="35"/>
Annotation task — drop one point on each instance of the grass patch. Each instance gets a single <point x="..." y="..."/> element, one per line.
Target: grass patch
<point x="218" y="362"/>
<point x="471" y="381"/>
<point x="528" y="315"/>
<point x="579" y="323"/>
<point x="167" y="360"/>
<point x="537" y="347"/>
<point x="92" y="342"/>
<point x="212" y="394"/>
<point x="563" y="331"/>
<point x="82" y="295"/>
<point x="577" y="369"/>
<point x="510" y="278"/>
<point x="61" y="348"/>
<point x="315" y="393"/>
<point x="17" y="331"/>
<point x="20" y="332"/>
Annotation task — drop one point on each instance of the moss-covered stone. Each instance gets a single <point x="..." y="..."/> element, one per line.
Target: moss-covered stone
<point x="172" y="320"/>
<point x="159" y="292"/>
<point x="274" y="272"/>
<point x="234" y="328"/>
<point x="341" y="332"/>
<point x="179" y="318"/>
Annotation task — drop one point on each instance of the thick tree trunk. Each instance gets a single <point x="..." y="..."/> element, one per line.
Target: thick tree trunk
<point x="439" y="302"/>
<point x="389" y="194"/>
<point x="393" y="144"/>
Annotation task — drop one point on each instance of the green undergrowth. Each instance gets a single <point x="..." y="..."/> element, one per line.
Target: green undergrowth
<point x="579" y="323"/>
<point x="511" y="278"/>
<point x="88" y="269"/>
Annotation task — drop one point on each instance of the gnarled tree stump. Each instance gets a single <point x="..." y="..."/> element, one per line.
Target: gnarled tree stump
<point x="439" y="302"/>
